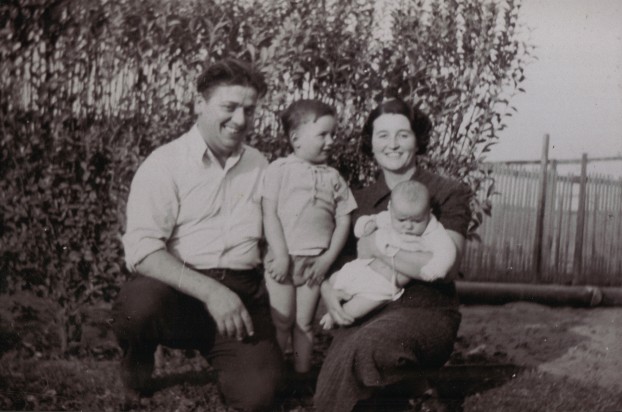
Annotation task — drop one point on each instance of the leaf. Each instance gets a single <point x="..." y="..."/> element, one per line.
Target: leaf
<point x="117" y="78"/>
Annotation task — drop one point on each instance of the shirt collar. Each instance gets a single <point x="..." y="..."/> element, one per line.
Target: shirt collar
<point x="292" y="158"/>
<point x="201" y="153"/>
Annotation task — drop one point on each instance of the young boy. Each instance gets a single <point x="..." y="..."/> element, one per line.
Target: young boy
<point x="408" y="225"/>
<point x="306" y="209"/>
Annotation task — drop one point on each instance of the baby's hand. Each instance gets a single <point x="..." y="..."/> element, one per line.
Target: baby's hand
<point x="327" y="322"/>
<point x="370" y="227"/>
<point x="278" y="268"/>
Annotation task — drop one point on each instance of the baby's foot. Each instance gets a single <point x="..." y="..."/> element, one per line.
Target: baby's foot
<point x="327" y="322"/>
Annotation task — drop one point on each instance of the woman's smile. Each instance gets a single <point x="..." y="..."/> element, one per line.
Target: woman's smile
<point x="393" y="142"/>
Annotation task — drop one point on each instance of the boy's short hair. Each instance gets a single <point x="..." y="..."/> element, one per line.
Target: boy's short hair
<point x="230" y="72"/>
<point x="302" y="111"/>
<point x="411" y="191"/>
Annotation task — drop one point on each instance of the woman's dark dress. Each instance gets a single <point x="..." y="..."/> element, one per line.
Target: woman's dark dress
<point x="417" y="330"/>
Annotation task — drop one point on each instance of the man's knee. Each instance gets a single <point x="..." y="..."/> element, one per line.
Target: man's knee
<point x="258" y="398"/>
<point x="251" y="389"/>
<point x="248" y="373"/>
<point x="138" y="302"/>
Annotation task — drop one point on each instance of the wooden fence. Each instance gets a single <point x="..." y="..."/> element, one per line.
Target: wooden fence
<point x="557" y="229"/>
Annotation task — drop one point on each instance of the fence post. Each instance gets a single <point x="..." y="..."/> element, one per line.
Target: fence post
<point x="549" y="255"/>
<point x="541" y="206"/>
<point x="578" y="241"/>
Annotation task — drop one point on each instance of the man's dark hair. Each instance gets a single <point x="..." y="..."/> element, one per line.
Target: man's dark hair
<point x="230" y="72"/>
<point x="302" y="111"/>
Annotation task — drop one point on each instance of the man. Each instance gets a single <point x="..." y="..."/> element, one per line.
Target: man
<point x="193" y="225"/>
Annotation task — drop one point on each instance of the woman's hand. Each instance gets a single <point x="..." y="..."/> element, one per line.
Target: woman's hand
<point x="333" y="299"/>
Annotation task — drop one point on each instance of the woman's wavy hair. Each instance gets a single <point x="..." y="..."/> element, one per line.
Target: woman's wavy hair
<point x="420" y="124"/>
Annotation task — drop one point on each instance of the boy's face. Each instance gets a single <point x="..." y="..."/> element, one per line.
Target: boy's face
<point x="313" y="140"/>
<point x="409" y="218"/>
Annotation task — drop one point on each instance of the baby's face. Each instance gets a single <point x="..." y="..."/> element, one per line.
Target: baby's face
<point x="409" y="218"/>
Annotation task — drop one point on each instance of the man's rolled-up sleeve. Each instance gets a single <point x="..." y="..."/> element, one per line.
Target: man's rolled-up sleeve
<point x="152" y="209"/>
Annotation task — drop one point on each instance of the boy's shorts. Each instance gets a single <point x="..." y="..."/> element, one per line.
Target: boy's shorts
<point x="298" y="266"/>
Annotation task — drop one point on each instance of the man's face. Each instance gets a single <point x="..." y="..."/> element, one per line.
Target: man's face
<point x="224" y="117"/>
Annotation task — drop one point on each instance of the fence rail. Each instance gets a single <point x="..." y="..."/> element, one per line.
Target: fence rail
<point x="577" y="241"/>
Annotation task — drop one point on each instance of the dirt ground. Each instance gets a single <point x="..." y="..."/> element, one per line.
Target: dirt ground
<point x="571" y="358"/>
<point x="526" y="357"/>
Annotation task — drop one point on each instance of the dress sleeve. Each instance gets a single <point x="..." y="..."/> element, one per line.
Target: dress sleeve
<point x="152" y="209"/>
<point x="455" y="209"/>
<point x="443" y="254"/>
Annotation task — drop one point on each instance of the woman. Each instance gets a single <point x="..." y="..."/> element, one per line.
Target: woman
<point x="419" y="329"/>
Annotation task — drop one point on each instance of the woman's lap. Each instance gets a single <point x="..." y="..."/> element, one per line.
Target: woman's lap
<point x="418" y="330"/>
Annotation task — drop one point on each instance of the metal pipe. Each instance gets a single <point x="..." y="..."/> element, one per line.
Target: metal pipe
<point x="554" y="295"/>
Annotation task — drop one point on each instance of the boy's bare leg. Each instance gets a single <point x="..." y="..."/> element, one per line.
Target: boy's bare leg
<point x="306" y="304"/>
<point x="282" y="307"/>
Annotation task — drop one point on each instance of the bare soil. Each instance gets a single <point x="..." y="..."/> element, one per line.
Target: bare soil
<point x="571" y="358"/>
<point x="559" y="359"/>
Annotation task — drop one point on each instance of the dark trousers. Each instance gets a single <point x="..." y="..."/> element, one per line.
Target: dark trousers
<point x="418" y="330"/>
<point x="148" y="313"/>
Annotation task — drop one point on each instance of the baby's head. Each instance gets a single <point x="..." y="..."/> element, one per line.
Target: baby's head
<point x="310" y="127"/>
<point x="410" y="208"/>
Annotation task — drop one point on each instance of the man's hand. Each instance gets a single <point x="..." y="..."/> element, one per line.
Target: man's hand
<point x="230" y="314"/>
<point x="232" y="318"/>
<point x="332" y="299"/>
<point x="278" y="268"/>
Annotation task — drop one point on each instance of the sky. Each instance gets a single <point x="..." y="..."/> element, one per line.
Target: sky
<point x="573" y="91"/>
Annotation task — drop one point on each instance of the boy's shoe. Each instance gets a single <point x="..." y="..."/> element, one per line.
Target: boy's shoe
<point x="298" y="385"/>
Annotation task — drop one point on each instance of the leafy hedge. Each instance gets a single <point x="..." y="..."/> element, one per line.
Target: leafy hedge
<point x="90" y="87"/>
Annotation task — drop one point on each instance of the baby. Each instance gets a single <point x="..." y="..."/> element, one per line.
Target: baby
<point x="407" y="225"/>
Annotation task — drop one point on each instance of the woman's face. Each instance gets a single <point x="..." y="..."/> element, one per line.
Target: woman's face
<point x="394" y="143"/>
